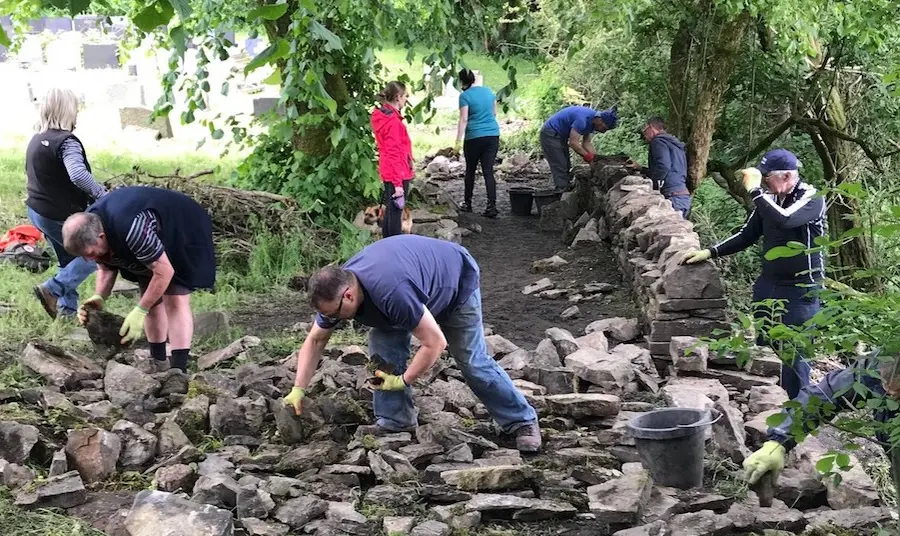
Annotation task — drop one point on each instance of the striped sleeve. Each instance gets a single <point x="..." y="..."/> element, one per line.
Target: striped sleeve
<point x="142" y="238"/>
<point x="73" y="158"/>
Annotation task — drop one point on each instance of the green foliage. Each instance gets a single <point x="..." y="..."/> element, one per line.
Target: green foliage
<point x="17" y="522"/>
<point x="15" y="376"/>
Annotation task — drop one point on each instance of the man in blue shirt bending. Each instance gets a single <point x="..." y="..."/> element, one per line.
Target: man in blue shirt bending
<point x="573" y="127"/>
<point x="412" y="285"/>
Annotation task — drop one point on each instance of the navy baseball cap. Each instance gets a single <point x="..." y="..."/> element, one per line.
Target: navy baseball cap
<point x="778" y="160"/>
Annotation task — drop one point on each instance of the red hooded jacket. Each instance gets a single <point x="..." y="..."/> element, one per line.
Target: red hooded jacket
<point x="394" y="145"/>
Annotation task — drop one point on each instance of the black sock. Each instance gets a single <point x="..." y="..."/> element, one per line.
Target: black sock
<point x="158" y="351"/>
<point x="180" y="358"/>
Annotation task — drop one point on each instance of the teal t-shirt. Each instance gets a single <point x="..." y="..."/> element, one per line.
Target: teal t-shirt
<point x="482" y="122"/>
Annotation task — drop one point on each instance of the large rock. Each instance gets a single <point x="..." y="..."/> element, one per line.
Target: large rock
<point x="694" y="393"/>
<point x="157" y="513"/>
<point x="14" y="476"/>
<point x="298" y="512"/>
<point x="431" y="528"/>
<point x="193" y="417"/>
<point x="138" y="445"/>
<point x="688" y="354"/>
<point x="237" y="416"/>
<point x="498" y="346"/>
<point x="58" y="366"/>
<point x="728" y="432"/>
<point x="258" y="527"/>
<point x="800" y="490"/>
<point x="218" y="490"/>
<point x="542" y="510"/>
<point x="311" y="456"/>
<point x="538" y="286"/>
<point x="557" y="380"/>
<point x="550" y="264"/>
<point x="855" y="519"/>
<point x="125" y="384"/>
<point x="93" y="453"/>
<point x="391" y="495"/>
<point x="393" y="525"/>
<point x="750" y="517"/>
<point x="595" y="340"/>
<point x="344" y="518"/>
<point x="766" y="398"/>
<point x="581" y="405"/>
<point x="234" y="350"/>
<point x="601" y="368"/>
<point x="757" y="428"/>
<point x="16" y="441"/>
<point x="500" y="477"/>
<point x="455" y="392"/>
<point x="171" y="438"/>
<point x="856" y="488"/>
<point x="589" y="234"/>
<point x="621" y="500"/>
<point x="620" y="329"/>
<point x="691" y="281"/>
<point x="62" y="491"/>
<point x="563" y="340"/>
<point x="702" y="523"/>
<point x="175" y="477"/>
<point x="495" y="503"/>
<point x="656" y="528"/>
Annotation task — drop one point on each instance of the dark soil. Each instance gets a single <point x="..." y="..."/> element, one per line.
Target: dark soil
<point x="505" y="251"/>
<point x="272" y="314"/>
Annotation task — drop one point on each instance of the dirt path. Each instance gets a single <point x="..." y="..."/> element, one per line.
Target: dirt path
<point x="506" y="249"/>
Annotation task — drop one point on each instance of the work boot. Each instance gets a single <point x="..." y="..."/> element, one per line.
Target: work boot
<point x="466" y="207"/>
<point x="528" y="438"/>
<point x="47" y="299"/>
<point x="490" y="212"/>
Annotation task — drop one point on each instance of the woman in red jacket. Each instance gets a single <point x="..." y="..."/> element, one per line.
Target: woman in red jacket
<point x="394" y="155"/>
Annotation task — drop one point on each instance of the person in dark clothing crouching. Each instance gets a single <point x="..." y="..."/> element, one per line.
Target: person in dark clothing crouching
<point x="478" y="123"/>
<point x="667" y="164"/>
<point x="159" y="239"/>
<point x="59" y="184"/>
<point x="788" y="210"/>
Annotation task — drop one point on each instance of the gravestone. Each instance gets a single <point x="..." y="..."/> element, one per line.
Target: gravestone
<point x="83" y="23"/>
<point x="136" y="116"/>
<point x="263" y="105"/>
<point x="101" y="56"/>
<point x="58" y="24"/>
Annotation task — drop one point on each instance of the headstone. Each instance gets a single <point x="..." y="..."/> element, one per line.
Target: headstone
<point x="83" y="23"/>
<point x="58" y="24"/>
<point x="136" y="116"/>
<point x="101" y="56"/>
<point x="264" y="105"/>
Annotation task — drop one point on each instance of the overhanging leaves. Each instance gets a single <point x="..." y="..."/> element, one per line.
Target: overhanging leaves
<point x="268" y="12"/>
<point x="332" y="42"/>
<point x="154" y="15"/>
<point x="274" y="52"/>
<point x="182" y="7"/>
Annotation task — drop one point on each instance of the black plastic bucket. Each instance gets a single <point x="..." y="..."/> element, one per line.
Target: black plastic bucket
<point x="520" y="200"/>
<point x="545" y="197"/>
<point x="671" y="443"/>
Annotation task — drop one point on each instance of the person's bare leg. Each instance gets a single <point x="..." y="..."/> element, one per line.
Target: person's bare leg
<point x="181" y="328"/>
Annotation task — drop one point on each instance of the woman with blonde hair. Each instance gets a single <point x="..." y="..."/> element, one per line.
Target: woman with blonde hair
<point x="59" y="184"/>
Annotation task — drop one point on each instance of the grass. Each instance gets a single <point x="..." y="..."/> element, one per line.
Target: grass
<point x="725" y="477"/>
<point x="15" y="521"/>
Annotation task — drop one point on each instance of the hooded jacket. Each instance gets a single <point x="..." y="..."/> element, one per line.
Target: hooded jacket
<point x="668" y="165"/>
<point x="394" y="145"/>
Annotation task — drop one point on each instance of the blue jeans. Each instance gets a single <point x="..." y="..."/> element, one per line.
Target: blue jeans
<point x="465" y="338"/>
<point x="801" y="303"/>
<point x="72" y="270"/>
<point x="681" y="203"/>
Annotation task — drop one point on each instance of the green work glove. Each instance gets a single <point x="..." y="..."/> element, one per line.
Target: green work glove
<point x="94" y="302"/>
<point x="295" y="398"/>
<point x="698" y="256"/>
<point x="133" y="326"/>
<point x="752" y="178"/>
<point x="389" y="382"/>
<point x="770" y="457"/>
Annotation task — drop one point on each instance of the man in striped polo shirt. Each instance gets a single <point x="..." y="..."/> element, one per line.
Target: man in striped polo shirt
<point x="159" y="239"/>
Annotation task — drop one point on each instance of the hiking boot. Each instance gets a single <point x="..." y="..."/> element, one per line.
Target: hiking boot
<point x="47" y="299"/>
<point x="466" y="207"/>
<point x="490" y="212"/>
<point x="528" y="438"/>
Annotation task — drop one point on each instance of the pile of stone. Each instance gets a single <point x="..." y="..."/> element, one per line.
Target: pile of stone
<point x="517" y="167"/>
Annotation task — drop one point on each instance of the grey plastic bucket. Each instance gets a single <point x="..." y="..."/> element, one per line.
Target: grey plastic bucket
<point x="671" y="443"/>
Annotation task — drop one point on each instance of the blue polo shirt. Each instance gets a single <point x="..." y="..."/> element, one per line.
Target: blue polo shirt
<point x="482" y="122"/>
<point x="578" y="117"/>
<point x="402" y="274"/>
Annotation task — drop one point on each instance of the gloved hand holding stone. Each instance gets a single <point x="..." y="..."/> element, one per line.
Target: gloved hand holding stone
<point x="295" y="399"/>
<point x="698" y="256"/>
<point x="770" y="457"/>
<point x="752" y="178"/>
<point x="389" y="382"/>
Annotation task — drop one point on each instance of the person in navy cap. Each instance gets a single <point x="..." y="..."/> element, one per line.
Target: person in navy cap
<point x="785" y="210"/>
<point x="573" y="127"/>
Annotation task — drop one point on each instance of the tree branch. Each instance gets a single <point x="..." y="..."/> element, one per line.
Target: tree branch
<point x="763" y="143"/>
<point x="825" y="127"/>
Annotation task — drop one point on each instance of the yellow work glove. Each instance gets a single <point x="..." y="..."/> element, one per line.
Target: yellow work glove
<point x="133" y="326"/>
<point x="295" y="398"/>
<point x="389" y="382"/>
<point x="94" y="302"/>
<point x="752" y="178"/>
<point x="770" y="457"/>
<point x="698" y="256"/>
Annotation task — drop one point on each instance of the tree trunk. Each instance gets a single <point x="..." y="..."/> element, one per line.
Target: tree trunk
<point x="716" y="71"/>
<point x="679" y="79"/>
<point x="844" y="212"/>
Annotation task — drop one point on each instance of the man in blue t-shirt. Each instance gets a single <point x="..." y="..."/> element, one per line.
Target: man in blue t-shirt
<point x="573" y="127"/>
<point x="412" y="285"/>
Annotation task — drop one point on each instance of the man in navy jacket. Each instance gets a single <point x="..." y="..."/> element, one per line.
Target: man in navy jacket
<point x="788" y="210"/>
<point x="668" y="164"/>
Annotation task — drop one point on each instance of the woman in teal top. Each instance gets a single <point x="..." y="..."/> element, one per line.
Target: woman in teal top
<point x="478" y="123"/>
